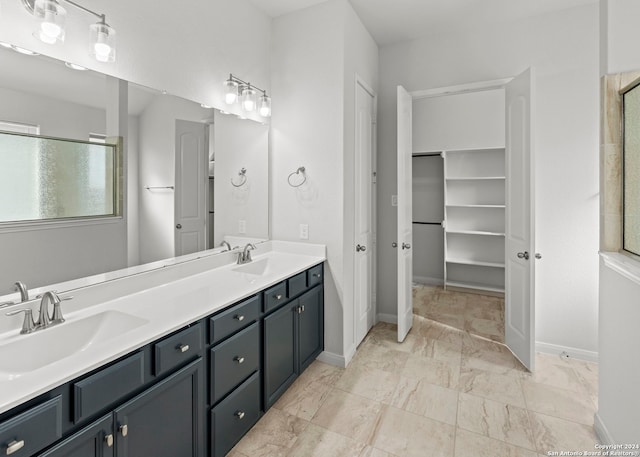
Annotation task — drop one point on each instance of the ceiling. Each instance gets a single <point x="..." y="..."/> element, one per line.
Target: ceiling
<point x="394" y="21"/>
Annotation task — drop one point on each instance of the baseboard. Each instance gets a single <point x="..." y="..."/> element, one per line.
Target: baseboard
<point x="333" y="359"/>
<point x="601" y="430"/>
<point x="428" y="281"/>
<point x="388" y="318"/>
<point x="581" y="354"/>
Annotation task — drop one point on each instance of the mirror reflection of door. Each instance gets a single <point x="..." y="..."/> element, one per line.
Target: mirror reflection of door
<point x="192" y="176"/>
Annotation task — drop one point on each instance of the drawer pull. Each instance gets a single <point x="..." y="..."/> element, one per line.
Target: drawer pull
<point x="317" y="275"/>
<point x="239" y="318"/>
<point x="239" y="414"/>
<point x="124" y="430"/>
<point x="239" y="359"/>
<point x="17" y="445"/>
<point x="183" y="348"/>
<point x="109" y="439"/>
<point x="278" y="297"/>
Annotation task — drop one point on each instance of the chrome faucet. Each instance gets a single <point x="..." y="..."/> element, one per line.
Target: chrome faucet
<point x="44" y="318"/>
<point x="22" y="288"/>
<point x="245" y="255"/>
<point x="226" y="243"/>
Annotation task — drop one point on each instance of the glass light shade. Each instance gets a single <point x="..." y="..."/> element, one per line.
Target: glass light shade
<point x="52" y="19"/>
<point x="264" y="106"/>
<point x="103" y="38"/>
<point x="248" y="99"/>
<point x="230" y="91"/>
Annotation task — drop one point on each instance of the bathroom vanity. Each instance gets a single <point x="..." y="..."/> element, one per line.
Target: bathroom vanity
<point x="186" y="366"/>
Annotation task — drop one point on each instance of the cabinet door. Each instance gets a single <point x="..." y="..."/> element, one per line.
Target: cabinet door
<point x="311" y="327"/>
<point x="280" y="352"/>
<point x="95" y="440"/>
<point x="166" y="420"/>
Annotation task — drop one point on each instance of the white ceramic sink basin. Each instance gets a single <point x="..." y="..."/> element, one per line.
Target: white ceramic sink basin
<point x="26" y="353"/>
<point x="255" y="267"/>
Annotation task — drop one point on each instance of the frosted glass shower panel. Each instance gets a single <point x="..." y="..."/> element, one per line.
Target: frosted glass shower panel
<point x="46" y="178"/>
<point x="631" y="179"/>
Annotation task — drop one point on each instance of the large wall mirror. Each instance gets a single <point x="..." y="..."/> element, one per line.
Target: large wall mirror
<point x="191" y="176"/>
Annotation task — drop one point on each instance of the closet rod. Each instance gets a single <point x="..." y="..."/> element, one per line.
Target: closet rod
<point x="427" y="223"/>
<point x="426" y="154"/>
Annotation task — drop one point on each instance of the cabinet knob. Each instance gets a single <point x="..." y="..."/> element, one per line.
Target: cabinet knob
<point x="124" y="430"/>
<point x="278" y="297"/>
<point x="183" y="348"/>
<point x="239" y="359"/>
<point x="239" y="414"/>
<point x="109" y="439"/>
<point x="317" y="275"/>
<point x="14" y="446"/>
<point x="239" y="317"/>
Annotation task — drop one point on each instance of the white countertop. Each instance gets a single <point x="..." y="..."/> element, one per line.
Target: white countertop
<point x="167" y="299"/>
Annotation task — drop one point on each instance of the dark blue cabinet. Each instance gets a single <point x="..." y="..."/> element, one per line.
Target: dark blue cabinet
<point x="95" y="440"/>
<point x="310" y="327"/>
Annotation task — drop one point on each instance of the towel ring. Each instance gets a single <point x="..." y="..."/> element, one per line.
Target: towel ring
<point x="297" y="172"/>
<point x="243" y="178"/>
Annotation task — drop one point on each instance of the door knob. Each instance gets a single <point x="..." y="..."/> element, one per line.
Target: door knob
<point x="538" y="255"/>
<point x="406" y="246"/>
<point x="523" y="255"/>
<point x="394" y="245"/>
<point x="360" y="248"/>
<point x="178" y="226"/>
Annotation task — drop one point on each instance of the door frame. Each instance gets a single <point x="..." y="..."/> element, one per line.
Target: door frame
<point x="359" y="81"/>
<point x="495" y="84"/>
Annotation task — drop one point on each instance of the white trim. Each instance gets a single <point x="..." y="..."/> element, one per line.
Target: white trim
<point x="623" y="265"/>
<point x="461" y="88"/>
<point x="27" y="226"/>
<point x="556" y="349"/>
<point x="428" y="281"/>
<point x="602" y="432"/>
<point x="388" y="318"/>
<point x="332" y="359"/>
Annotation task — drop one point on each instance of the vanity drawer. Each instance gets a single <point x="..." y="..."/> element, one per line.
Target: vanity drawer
<point x="107" y="386"/>
<point x="234" y="416"/>
<point x="230" y="321"/>
<point x="297" y="284"/>
<point x="177" y="350"/>
<point x="32" y="430"/>
<point x="314" y="275"/>
<point x="275" y="296"/>
<point x="233" y="361"/>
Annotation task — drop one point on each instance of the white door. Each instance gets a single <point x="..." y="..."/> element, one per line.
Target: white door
<point x="519" y="249"/>
<point x="363" y="250"/>
<point x="191" y="187"/>
<point x="405" y="229"/>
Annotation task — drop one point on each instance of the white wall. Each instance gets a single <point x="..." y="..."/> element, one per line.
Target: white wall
<point x="565" y="136"/>
<point x="620" y="35"/>
<point x="316" y="53"/>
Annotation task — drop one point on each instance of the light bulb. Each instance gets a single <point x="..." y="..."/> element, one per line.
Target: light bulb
<point x="52" y="16"/>
<point x="265" y="106"/>
<point x="103" y="38"/>
<point x="231" y="91"/>
<point x="248" y="99"/>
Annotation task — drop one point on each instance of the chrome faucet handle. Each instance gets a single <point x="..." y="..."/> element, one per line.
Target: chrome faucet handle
<point x="7" y="303"/>
<point x="57" y="317"/>
<point x="28" y="325"/>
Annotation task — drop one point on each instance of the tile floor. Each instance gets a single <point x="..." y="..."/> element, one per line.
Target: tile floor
<point x="441" y="393"/>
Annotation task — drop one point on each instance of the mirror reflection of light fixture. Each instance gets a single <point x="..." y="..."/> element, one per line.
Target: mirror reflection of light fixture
<point x="51" y="30"/>
<point x="246" y="93"/>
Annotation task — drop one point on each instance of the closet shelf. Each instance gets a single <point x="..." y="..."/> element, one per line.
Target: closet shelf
<point x="475" y="232"/>
<point x="474" y="285"/>
<point x="475" y="178"/>
<point x="448" y="205"/>
<point x="476" y="262"/>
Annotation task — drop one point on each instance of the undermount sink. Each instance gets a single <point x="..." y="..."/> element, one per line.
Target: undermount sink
<point x="255" y="267"/>
<point x="29" y="352"/>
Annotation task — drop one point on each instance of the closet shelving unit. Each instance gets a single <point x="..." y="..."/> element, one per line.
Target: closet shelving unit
<point x="474" y="235"/>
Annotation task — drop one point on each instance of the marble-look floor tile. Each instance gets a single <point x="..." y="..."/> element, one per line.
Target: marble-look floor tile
<point x="554" y="434"/>
<point x="553" y="371"/>
<point x="436" y="349"/>
<point x="494" y="330"/>
<point x="303" y="399"/>
<point x="351" y="415"/>
<point x="471" y="444"/>
<point x="430" y="329"/>
<point x="425" y="399"/>
<point x="273" y="435"/>
<point x="322" y="372"/>
<point x="316" y="441"/>
<point x="557" y="402"/>
<point x="453" y="307"/>
<point x="368" y="382"/>
<point x="236" y="454"/>
<point x="496" y="420"/>
<point x="452" y="320"/>
<point x="587" y="373"/>
<point x="505" y="389"/>
<point x="382" y="358"/>
<point x="370" y="451"/>
<point x="405" y="434"/>
<point x="432" y="371"/>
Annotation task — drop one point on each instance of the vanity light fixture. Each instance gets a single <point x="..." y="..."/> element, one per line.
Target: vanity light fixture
<point x="238" y="90"/>
<point x="51" y="30"/>
<point x="73" y="66"/>
<point x="24" y="51"/>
